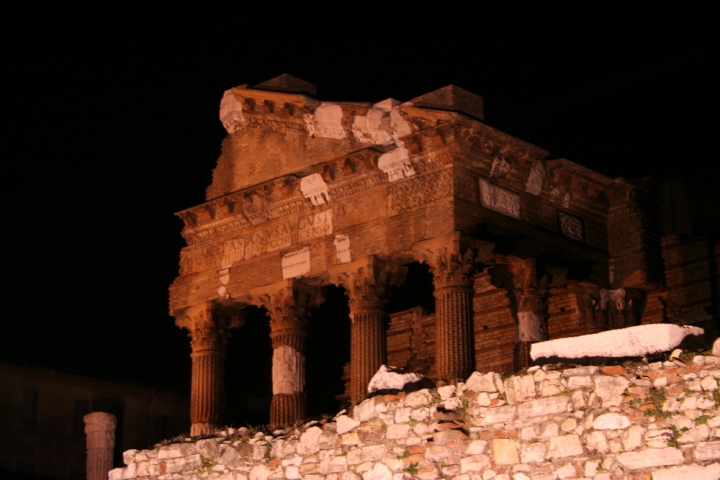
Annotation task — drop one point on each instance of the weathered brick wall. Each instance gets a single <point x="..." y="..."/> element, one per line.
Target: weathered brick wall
<point x="495" y="328"/>
<point x="411" y="341"/>
<point x="658" y="421"/>
<point x="688" y="271"/>
<point x="565" y="313"/>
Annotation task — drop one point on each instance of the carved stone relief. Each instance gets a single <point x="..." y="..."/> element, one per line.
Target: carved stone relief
<point x="231" y="112"/>
<point x="536" y="178"/>
<point x="500" y="167"/>
<point x="342" y="248"/>
<point x="413" y="194"/>
<point x="314" y="187"/>
<point x="326" y="121"/>
<point x="396" y="164"/>
<point x="296" y="264"/>
<point x="499" y="199"/>
<point x="571" y="226"/>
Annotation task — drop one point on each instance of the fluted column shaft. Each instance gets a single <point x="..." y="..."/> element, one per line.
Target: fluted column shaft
<point x="286" y="303"/>
<point x="207" y="393"/>
<point x="208" y="325"/>
<point x="367" y="349"/>
<point x="453" y="324"/>
<point x="100" y="431"/>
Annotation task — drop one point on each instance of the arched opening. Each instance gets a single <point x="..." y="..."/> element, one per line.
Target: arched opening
<point x="248" y="371"/>
<point x="326" y="352"/>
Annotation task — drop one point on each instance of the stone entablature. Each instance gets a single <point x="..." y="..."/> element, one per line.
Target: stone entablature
<point x="659" y="420"/>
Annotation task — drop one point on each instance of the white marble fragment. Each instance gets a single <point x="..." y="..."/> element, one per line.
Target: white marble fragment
<point x="396" y="164"/>
<point x="314" y="187"/>
<point x="499" y="199"/>
<point x="296" y="264"/>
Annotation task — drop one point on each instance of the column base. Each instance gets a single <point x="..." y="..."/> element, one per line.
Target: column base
<point x="287" y="409"/>
<point x="198" y="429"/>
<point x="522" y="355"/>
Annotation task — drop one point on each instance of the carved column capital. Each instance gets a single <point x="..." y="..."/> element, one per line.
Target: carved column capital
<point x="287" y="302"/>
<point x="209" y="324"/>
<point x="451" y="258"/>
<point x="366" y="281"/>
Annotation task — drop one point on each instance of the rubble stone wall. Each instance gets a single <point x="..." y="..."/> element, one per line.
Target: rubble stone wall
<point x="656" y="421"/>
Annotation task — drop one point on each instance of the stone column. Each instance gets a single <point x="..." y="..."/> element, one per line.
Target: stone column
<point x="209" y="326"/>
<point x="100" y="431"/>
<point x="286" y="303"/>
<point x="366" y="281"/>
<point x="451" y="259"/>
<point x="530" y="296"/>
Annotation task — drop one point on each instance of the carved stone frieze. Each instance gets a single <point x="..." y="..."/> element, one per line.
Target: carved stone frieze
<point x="366" y="281"/>
<point x="572" y="227"/>
<point x="499" y="199"/>
<point x="414" y="193"/>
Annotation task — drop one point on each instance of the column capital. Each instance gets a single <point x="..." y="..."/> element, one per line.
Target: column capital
<point x="451" y="258"/>
<point x="208" y="325"/>
<point x="287" y="302"/>
<point x="366" y="281"/>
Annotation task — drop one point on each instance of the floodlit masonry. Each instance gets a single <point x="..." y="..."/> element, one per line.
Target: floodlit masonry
<point x="658" y="421"/>
<point x="309" y="193"/>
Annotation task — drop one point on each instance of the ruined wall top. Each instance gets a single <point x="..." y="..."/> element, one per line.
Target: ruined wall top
<point x="275" y="128"/>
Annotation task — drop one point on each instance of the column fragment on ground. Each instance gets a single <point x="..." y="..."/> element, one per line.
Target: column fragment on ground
<point x="100" y="431"/>
<point x="530" y="297"/>
<point x="209" y="326"/>
<point x="286" y="303"/>
<point x="451" y="259"/>
<point x="366" y="282"/>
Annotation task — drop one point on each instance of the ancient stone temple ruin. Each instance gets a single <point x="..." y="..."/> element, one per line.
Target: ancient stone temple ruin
<point x="308" y="193"/>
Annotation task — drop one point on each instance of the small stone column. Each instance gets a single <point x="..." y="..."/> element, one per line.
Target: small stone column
<point x="100" y="431"/>
<point x="451" y="259"/>
<point x="531" y="310"/>
<point x="286" y="303"/>
<point x="209" y="326"/>
<point x="366" y="281"/>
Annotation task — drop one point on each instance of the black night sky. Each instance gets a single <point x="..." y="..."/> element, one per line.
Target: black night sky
<point x="111" y="125"/>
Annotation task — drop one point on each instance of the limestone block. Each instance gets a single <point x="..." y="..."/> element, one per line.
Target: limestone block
<point x="579" y="400"/>
<point x="694" y="435"/>
<point x="398" y="430"/>
<point x="292" y="473"/>
<point x="496" y="415"/>
<point x="528" y="433"/>
<point x="597" y="442"/>
<point x="373" y="453"/>
<point x="707" y="451"/>
<point x="716" y="348"/>
<point x="396" y="164"/>
<point x="474" y="463"/>
<point x="566" y="471"/>
<point x="333" y="465"/>
<point x="519" y="388"/>
<point x="568" y="425"/>
<point x="476" y="447"/>
<point x="297" y="263"/>
<point x="550" y="388"/>
<point x="651" y="457"/>
<point x="309" y="441"/>
<point x="714" y="422"/>
<point x="505" y="451"/>
<point x="259" y="451"/>
<point x="709" y="384"/>
<point x="346" y="424"/>
<point x="379" y="471"/>
<point x="632" y="438"/>
<point x="611" y="421"/>
<point x="536" y="178"/>
<point x="688" y="472"/>
<point x="179" y="464"/>
<point x="583" y="381"/>
<point x="326" y="121"/>
<point x="420" y="414"/>
<point x="446" y="391"/>
<point x="580" y="371"/>
<point x="207" y="448"/>
<point x="549" y="429"/>
<point x="609" y="389"/>
<point x="365" y="411"/>
<point x="402" y="415"/>
<point x="532" y="452"/>
<point x="371" y="432"/>
<point x="176" y="450"/>
<point x="483" y="399"/>
<point x="564" y="446"/>
<point x="446" y="436"/>
<point x="438" y="453"/>
<point x="544" y="406"/>
<point x="419" y="398"/>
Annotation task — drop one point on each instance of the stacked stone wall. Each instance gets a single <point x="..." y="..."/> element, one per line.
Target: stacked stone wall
<point x="657" y="421"/>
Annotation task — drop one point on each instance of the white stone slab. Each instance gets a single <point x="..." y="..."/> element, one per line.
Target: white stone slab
<point x="342" y="248"/>
<point x="536" y="178"/>
<point x="326" y="121"/>
<point x="396" y="164"/>
<point x="314" y="188"/>
<point x="499" y="199"/>
<point x="288" y="367"/>
<point x="624" y="342"/>
<point x="296" y="264"/>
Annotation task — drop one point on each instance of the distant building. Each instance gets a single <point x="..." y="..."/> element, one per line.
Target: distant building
<point x="42" y="433"/>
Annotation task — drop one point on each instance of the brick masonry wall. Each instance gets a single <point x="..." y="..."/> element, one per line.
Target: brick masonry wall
<point x="658" y="421"/>
<point x="688" y="272"/>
